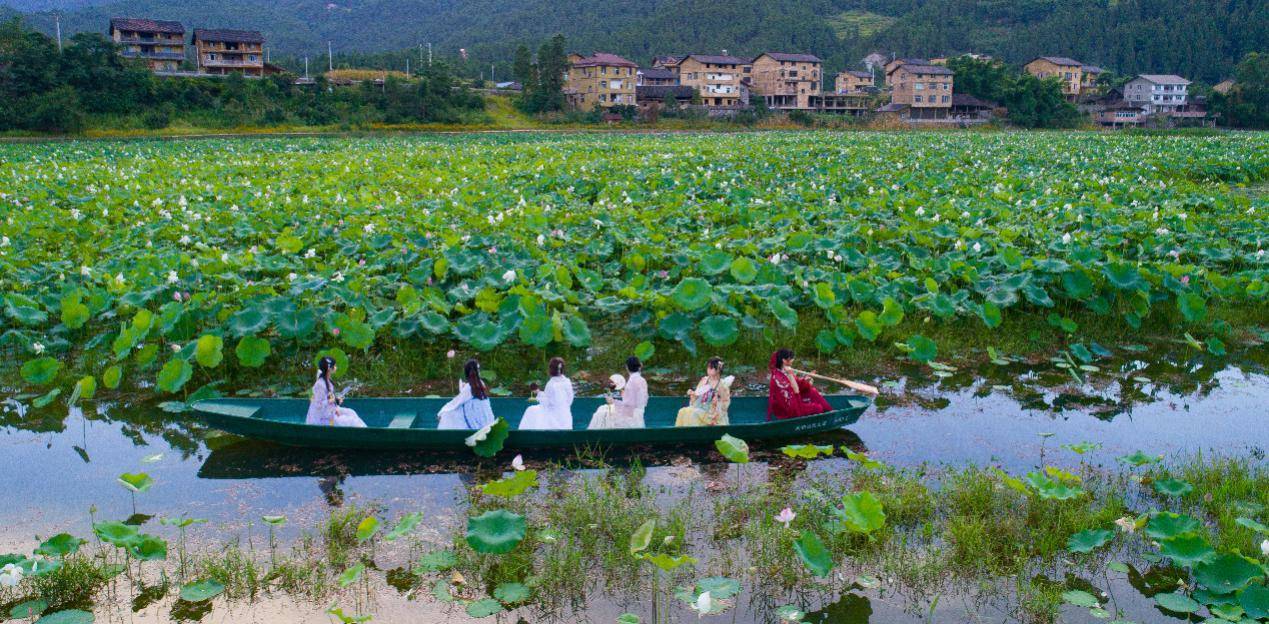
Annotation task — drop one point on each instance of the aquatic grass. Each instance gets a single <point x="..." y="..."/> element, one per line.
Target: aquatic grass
<point x="1225" y="488"/>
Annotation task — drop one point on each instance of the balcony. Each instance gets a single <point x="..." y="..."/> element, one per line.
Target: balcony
<point x="154" y="56"/>
<point x="227" y="63"/>
<point x="151" y="41"/>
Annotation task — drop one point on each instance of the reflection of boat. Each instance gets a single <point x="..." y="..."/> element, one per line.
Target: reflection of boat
<point x="237" y="458"/>
<point x="409" y="423"/>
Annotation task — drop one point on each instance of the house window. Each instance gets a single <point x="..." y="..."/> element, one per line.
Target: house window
<point x="916" y="98"/>
<point x="920" y="86"/>
<point x="946" y="99"/>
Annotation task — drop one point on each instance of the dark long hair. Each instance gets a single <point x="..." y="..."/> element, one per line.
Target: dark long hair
<point x="715" y="363"/>
<point x="323" y="370"/>
<point x="556" y="366"/>
<point x="781" y="356"/>
<point x="471" y="370"/>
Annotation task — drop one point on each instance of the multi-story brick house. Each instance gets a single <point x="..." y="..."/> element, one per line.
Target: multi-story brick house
<point x="160" y="43"/>
<point x="895" y="63"/>
<point x="601" y="80"/>
<point x="222" y="51"/>
<point x="721" y="80"/>
<point x="787" y="81"/>
<point x="1091" y="74"/>
<point x="1158" y="93"/>
<point x="853" y="81"/>
<point x="925" y="89"/>
<point x="655" y="77"/>
<point x="1069" y="71"/>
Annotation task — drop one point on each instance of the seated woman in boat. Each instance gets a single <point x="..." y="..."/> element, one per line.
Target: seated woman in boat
<point x="627" y="411"/>
<point x="470" y="409"/>
<point x="555" y="402"/>
<point x="708" y="403"/>
<point x="791" y="396"/>
<point x="326" y="407"/>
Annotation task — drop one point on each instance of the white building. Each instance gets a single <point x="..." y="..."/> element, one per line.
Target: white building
<point x="1157" y="93"/>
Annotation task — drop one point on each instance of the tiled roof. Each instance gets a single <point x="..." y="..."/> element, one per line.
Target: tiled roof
<point x="1093" y="69"/>
<point x="604" y="59"/>
<point x="138" y="24"/>
<point x="792" y="58"/>
<point x="1058" y="60"/>
<point x="228" y="36"/>
<point x="1164" y="78"/>
<point x="669" y="59"/>
<point x="660" y="92"/>
<point x="718" y="59"/>
<point x="657" y="73"/>
<point x="929" y="69"/>
<point x="859" y="74"/>
<point x="965" y="99"/>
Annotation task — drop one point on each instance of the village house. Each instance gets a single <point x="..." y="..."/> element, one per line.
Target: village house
<point x="601" y="80"/>
<point x="787" y="81"/>
<point x="926" y="91"/>
<point x="1157" y="93"/>
<point x="653" y="99"/>
<point x="223" y="52"/>
<point x="160" y="43"/>
<point x="895" y="63"/>
<point x="1091" y="74"/>
<point x="655" y="77"/>
<point x="853" y="81"/>
<point x="1120" y="114"/>
<point x="1069" y="71"/>
<point x="722" y="81"/>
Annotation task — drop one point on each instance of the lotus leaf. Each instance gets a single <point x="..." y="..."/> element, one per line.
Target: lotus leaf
<point x="1227" y="573"/>
<point x="59" y="545"/>
<point x="511" y="593"/>
<point x="1081" y="598"/>
<point x="1176" y="602"/>
<point x="1186" y="549"/>
<point x="666" y="562"/>
<point x="436" y="561"/>
<point x="733" y="449"/>
<point x="642" y="537"/>
<point x="692" y="294"/>
<point x="40" y="371"/>
<point x="1172" y="487"/>
<point x="68" y="616"/>
<point x="862" y="512"/>
<point x="1166" y="525"/>
<point x="252" y="351"/>
<point x="512" y="486"/>
<point x="811" y="550"/>
<point x="199" y="591"/>
<point x="174" y="375"/>
<point x="495" y="532"/>
<point x="1090" y="540"/>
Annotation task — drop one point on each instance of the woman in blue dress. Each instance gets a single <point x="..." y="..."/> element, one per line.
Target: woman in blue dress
<point x="471" y="408"/>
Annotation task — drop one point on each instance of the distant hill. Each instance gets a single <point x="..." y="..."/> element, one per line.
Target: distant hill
<point x="1200" y="39"/>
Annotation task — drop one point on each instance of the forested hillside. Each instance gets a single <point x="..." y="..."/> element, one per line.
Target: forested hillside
<point x="1201" y="39"/>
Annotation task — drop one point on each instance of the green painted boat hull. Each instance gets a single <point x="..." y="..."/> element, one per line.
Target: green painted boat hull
<point x="410" y="423"/>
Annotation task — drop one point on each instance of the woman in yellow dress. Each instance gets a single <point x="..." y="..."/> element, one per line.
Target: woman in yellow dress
<point x="708" y="403"/>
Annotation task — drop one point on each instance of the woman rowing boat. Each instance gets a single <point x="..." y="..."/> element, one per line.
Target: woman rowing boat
<point x="791" y="396"/>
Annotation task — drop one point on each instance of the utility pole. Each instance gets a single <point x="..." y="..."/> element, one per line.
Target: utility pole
<point x="330" y="58"/>
<point x="57" y="19"/>
<point x="407" y="66"/>
<point x="491" y="73"/>
<point x="429" y="54"/>
<point x="306" y="68"/>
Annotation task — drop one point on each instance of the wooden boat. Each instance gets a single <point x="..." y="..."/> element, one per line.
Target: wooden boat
<point x="410" y="423"/>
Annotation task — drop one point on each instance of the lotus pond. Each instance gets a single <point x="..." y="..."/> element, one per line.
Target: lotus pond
<point x="1069" y="331"/>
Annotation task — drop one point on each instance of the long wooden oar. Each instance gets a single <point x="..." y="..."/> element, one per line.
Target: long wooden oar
<point x="854" y="385"/>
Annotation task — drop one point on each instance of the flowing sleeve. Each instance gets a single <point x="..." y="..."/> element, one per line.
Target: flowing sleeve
<point x="635" y="395"/>
<point x="464" y="395"/>
<point x="780" y="401"/>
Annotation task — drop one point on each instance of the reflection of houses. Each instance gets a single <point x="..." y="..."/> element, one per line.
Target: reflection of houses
<point x="853" y="81"/>
<point x="1067" y="70"/>
<point x="926" y="91"/>
<point x="161" y="44"/>
<point x="721" y="80"/>
<point x="655" y="77"/>
<point x="601" y="80"/>
<point x="787" y="81"/>
<point x="221" y="51"/>
<point x="654" y="97"/>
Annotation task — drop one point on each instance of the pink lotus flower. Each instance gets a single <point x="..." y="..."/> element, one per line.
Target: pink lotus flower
<point x="361" y="262"/>
<point x="451" y="353"/>
<point x="176" y="296"/>
<point x="1185" y="279"/>
<point x="786" y="516"/>
<point x="335" y="331"/>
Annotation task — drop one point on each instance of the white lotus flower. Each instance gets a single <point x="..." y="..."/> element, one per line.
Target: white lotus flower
<point x="1264" y="548"/>
<point x="978" y="247"/>
<point x="310" y="253"/>
<point x="369" y="228"/>
<point x="185" y="240"/>
<point x="1066" y="238"/>
<point x="704" y="604"/>
<point x="509" y="276"/>
<point x="38" y="348"/>
<point x="292" y="277"/>
<point x="4" y="241"/>
<point x="480" y="435"/>
<point x="172" y="277"/>
<point x="85" y="271"/>
<point x="11" y="575"/>
<point x="786" y="516"/>
<point x="337" y="277"/>
<point x="518" y="463"/>
<point x="920" y="211"/>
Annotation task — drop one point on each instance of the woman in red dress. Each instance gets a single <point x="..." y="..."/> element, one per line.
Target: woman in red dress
<point x="791" y="396"/>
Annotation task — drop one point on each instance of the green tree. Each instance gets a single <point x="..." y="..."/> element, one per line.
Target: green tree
<point x="1247" y="103"/>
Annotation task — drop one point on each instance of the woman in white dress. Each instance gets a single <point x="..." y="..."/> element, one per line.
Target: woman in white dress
<point x="326" y="407"/>
<point x="555" y="402"/>
<point x="626" y="412"/>
<point x="471" y="408"/>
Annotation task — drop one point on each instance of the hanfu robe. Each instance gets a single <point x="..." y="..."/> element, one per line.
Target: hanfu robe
<point x="322" y="409"/>
<point x="555" y="406"/>
<point x="783" y="402"/>
<point x="709" y="404"/>
<point x="465" y="411"/>
<point x="626" y="412"/>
